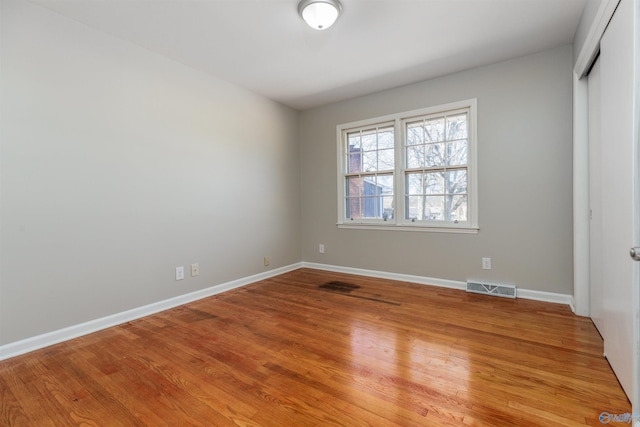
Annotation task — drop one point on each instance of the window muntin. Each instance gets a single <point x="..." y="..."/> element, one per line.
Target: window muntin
<point x="427" y="157"/>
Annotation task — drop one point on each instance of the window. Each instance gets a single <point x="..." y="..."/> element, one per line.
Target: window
<point x="369" y="172"/>
<point x="436" y="151"/>
<point x="414" y="170"/>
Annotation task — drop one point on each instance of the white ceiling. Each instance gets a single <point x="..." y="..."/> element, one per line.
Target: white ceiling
<point x="264" y="46"/>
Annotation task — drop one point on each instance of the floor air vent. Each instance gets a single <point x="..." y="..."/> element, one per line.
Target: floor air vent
<point x="507" y="291"/>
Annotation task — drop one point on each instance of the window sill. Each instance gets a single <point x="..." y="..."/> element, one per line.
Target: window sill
<point x="413" y="228"/>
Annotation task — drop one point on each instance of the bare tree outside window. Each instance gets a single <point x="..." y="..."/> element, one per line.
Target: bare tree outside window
<point x="436" y="168"/>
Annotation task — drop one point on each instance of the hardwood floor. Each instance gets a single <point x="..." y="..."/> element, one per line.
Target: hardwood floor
<point x="312" y="348"/>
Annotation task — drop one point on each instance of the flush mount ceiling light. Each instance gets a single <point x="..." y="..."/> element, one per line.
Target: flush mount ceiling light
<point x="319" y="14"/>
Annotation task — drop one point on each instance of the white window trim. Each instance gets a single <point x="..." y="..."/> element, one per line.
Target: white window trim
<point x="398" y="222"/>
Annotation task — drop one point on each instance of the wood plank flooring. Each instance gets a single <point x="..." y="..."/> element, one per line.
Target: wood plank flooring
<point x="311" y="348"/>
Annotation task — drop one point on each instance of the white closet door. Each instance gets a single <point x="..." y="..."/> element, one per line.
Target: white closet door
<point x="617" y="188"/>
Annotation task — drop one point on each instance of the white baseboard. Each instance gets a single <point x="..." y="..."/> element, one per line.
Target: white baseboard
<point x="444" y="283"/>
<point x="40" y="341"/>
<point x="546" y="297"/>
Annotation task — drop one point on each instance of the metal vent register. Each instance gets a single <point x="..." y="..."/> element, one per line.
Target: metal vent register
<point x="507" y="291"/>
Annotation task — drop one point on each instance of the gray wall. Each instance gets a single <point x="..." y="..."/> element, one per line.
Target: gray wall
<point x="524" y="167"/>
<point x="117" y="165"/>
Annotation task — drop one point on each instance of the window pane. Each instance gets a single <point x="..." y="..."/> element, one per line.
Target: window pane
<point x="369" y="161"/>
<point x="384" y="185"/>
<point x="457" y="127"/>
<point x="457" y="152"/>
<point x="356" y="207"/>
<point x="434" y="183"/>
<point x="434" y="130"/>
<point x="456" y="181"/>
<point x="457" y="208"/>
<point x="371" y="207"/>
<point x="386" y="160"/>
<point x="352" y="205"/>
<point x="414" y="207"/>
<point x="385" y="138"/>
<point x="370" y="187"/>
<point x="369" y="140"/>
<point x="354" y="141"/>
<point x="354" y="162"/>
<point x="387" y="204"/>
<point x="354" y="186"/>
<point x="434" y="155"/>
<point x="415" y="156"/>
<point x="414" y="183"/>
<point x="415" y="133"/>
<point x="434" y="208"/>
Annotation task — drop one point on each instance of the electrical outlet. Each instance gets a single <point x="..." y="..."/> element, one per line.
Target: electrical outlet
<point x="267" y="261"/>
<point x="179" y="273"/>
<point x="486" y="263"/>
<point x="321" y="248"/>
<point x="195" y="270"/>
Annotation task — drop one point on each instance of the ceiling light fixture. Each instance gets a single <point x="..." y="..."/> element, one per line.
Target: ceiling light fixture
<point x="319" y="14"/>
